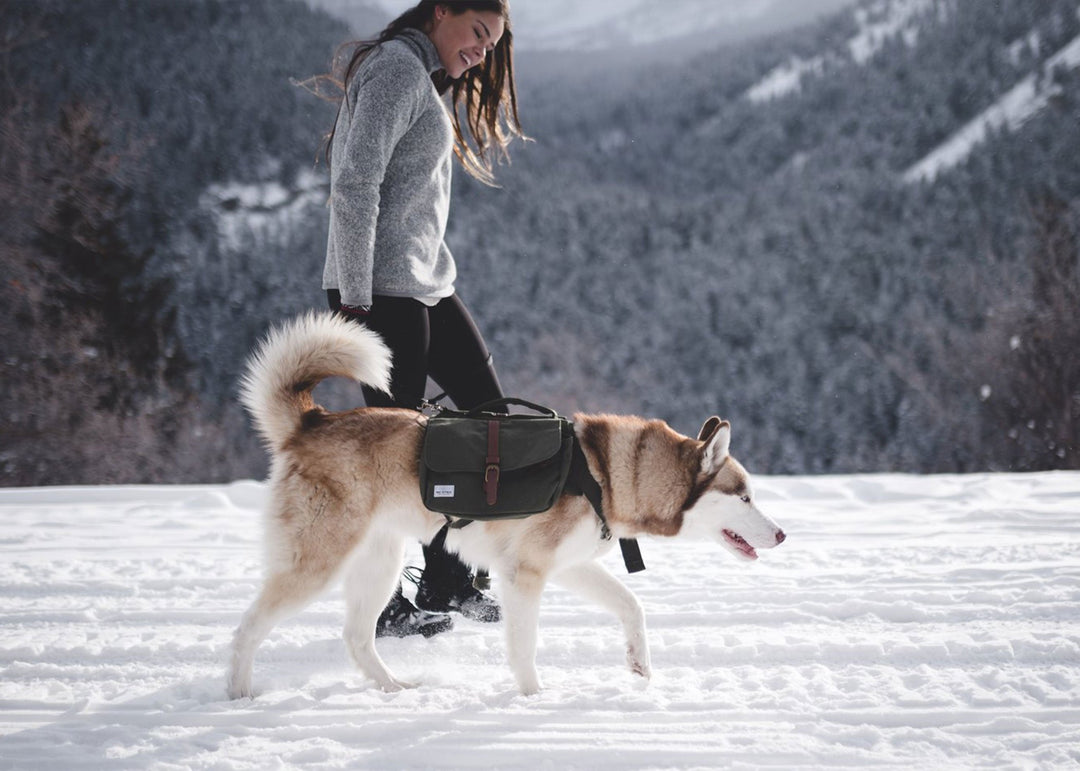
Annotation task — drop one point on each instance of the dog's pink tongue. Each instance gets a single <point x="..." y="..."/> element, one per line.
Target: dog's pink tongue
<point x="740" y="543"/>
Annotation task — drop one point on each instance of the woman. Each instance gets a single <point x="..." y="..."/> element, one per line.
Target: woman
<point x="387" y="264"/>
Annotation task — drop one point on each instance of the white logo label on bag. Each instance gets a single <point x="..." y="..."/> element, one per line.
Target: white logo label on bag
<point x="444" y="491"/>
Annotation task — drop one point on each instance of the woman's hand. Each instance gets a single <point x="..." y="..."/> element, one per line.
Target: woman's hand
<point x="356" y="311"/>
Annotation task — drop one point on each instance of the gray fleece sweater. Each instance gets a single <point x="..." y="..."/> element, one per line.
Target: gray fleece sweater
<point x="390" y="170"/>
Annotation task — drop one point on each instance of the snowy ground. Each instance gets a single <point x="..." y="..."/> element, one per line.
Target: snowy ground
<point x="908" y="622"/>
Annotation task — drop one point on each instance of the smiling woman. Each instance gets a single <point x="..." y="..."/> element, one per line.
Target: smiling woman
<point x="475" y="46"/>
<point x="463" y="39"/>
<point x="387" y="265"/>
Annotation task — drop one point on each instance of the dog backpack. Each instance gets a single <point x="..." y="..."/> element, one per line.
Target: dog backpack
<point x="487" y="465"/>
<point x="484" y="465"/>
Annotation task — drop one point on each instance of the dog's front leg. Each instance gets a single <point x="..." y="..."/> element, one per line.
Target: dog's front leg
<point x="521" y="603"/>
<point x="592" y="581"/>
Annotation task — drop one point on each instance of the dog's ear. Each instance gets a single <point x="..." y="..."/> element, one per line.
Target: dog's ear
<point x="707" y="430"/>
<point x="716" y="434"/>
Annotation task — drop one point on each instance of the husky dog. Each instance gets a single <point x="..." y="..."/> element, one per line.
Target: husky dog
<point x="346" y="501"/>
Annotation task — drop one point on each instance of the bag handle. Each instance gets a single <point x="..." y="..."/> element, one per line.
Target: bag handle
<point x="508" y="400"/>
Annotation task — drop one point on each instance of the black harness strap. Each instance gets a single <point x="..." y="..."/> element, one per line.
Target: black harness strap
<point x="581" y="482"/>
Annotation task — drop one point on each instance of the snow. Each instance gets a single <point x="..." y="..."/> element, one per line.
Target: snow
<point x="784" y="79"/>
<point x="571" y="25"/>
<point x="907" y="622"/>
<point x="885" y="19"/>
<point x="1029" y="44"/>
<point x="247" y="211"/>
<point x="881" y="22"/>
<point x="1019" y="105"/>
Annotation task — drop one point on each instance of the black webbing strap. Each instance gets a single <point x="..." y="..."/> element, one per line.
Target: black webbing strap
<point x="580" y="481"/>
<point x="631" y="555"/>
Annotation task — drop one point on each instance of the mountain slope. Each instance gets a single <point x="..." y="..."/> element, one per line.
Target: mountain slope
<point x="568" y="25"/>
<point x="767" y="262"/>
<point x="1020" y="104"/>
<point x="875" y="23"/>
<point x="665" y="246"/>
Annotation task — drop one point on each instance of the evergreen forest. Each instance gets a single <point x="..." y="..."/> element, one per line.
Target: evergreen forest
<point x="662" y="245"/>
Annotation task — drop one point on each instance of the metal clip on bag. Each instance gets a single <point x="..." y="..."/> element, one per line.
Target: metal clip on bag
<point x="487" y="465"/>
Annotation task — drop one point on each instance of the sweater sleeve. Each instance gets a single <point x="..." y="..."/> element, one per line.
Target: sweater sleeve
<point x="383" y="108"/>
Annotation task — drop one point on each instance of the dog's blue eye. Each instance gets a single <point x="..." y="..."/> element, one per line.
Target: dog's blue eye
<point x="745" y="499"/>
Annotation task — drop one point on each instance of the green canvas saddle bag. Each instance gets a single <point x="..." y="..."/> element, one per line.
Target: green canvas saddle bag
<point x="483" y="464"/>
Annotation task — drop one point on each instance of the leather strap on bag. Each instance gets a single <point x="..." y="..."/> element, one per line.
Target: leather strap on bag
<point x="491" y="465"/>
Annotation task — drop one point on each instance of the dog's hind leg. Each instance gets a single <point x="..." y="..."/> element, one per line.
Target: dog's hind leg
<point x="282" y="595"/>
<point x="302" y="562"/>
<point x="521" y="602"/>
<point x="370" y="581"/>
<point x="592" y="581"/>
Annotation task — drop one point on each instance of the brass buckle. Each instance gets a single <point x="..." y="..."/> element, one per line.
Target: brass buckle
<point x="491" y="485"/>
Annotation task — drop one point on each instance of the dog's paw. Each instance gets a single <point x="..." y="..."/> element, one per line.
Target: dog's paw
<point x="639" y="663"/>
<point x="239" y="691"/>
<point x="393" y="685"/>
<point x="529" y="686"/>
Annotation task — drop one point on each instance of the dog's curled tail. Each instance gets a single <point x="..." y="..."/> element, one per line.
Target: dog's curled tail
<point x="295" y="357"/>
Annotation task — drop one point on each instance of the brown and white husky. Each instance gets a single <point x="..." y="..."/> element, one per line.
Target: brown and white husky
<point x="345" y="501"/>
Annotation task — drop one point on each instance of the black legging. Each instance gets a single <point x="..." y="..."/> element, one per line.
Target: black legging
<point x="441" y="342"/>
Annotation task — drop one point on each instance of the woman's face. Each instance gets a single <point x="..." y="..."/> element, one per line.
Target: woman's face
<point x="463" y="39"/>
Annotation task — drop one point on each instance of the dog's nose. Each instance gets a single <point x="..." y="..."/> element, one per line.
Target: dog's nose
<point x="780" y="537"/>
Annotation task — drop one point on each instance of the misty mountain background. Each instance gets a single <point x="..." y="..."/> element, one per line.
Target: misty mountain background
<point x="714" y="224"/>
<point x="570" y="26"/>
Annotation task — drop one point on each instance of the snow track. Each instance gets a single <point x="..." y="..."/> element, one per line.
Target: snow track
<point x="906" y="622"/>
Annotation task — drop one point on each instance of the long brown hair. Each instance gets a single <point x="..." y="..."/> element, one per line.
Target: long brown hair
<point x="486" y="93"/>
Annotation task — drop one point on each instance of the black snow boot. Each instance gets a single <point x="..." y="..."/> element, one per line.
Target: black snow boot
<point x="400" y="618"/>
<point x="446" y="585"/>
